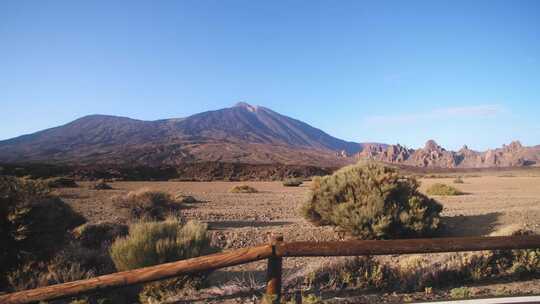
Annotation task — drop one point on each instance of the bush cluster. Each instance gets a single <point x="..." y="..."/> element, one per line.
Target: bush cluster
<point x="372" y="201"/>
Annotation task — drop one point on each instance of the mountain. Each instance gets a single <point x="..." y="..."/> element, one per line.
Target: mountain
<point x="243" y="133"/>
<point x="434" y="156"/>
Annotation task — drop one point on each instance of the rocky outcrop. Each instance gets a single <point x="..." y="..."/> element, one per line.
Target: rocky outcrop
<point x="434" y="156"/>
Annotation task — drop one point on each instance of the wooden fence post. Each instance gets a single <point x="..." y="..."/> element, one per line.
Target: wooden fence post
<point x="273" y="287"/>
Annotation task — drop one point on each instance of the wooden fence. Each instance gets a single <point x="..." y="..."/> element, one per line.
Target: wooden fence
<point x="274" y="252"/>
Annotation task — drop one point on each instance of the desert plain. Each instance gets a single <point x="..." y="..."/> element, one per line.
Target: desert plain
<point x="494" y="203"/>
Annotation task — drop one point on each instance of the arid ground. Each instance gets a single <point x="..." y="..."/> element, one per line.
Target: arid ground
<point x="494" y="204"/>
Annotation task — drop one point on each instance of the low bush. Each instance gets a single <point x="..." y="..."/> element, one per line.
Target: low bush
<point x="443" y="190"/>
<point x="147" y="204"/>
<point x="61" y="182"/>
<point x="460" y="293"/>
<point x="458" y="180"/>
<point x="292" y="182"/>
<point x="97" y="235"/>
<point x="243" y="189"/>
<point x="372" y="201"/>
<point x="182" y="198"/>
<point x="33" y="222"/>
<point x="152" y="243"/>
<point x="101" y="185"/>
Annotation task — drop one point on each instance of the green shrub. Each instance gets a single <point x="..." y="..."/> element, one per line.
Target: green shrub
<point x="443" y="189"/>
<point x="152" y="243"/>
<point x="243" y="189"/>
<point x="33" y="222"/>
<point x="292" y="182"/>
<point x="147" y="204"/>
<point x="61" y="182"/>
<point x="458" y="180"/>
<point x="372" y="201"/>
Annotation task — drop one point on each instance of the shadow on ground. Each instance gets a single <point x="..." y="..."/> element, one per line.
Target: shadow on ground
<point x="219" y="225"/>
<point x="469" y="225"/>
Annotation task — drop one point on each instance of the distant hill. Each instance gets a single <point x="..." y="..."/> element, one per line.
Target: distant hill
<point x="243" y="133"/>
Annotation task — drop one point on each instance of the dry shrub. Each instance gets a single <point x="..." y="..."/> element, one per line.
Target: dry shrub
<point x="99" y="234"/>
<point x="443" y="189"/>
<point x="243" y="189"/>
<point x="182" y="198"/>
<point x="33" y="222"/>
<point x="146" y="203"/>
<point x="292" y="182"/>
<point x="61" y="182"/>
<point x="458" y="180"/>
<point x="372" y="201"/>
<point x="101" y="185"/>
<point x="152" y="243"/>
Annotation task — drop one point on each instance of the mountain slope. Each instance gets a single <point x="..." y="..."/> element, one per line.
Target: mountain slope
<point x="243" y="133"/>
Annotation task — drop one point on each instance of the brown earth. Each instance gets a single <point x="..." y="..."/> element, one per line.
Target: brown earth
<point x="493" y="204"/>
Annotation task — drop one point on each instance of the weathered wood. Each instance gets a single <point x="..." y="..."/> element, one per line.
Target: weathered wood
<point x="273" y="287"/>
<point x="405" y="246"/>
<point x="142" y="275"/>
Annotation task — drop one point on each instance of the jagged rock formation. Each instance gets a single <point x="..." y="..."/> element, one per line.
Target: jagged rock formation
<point x="432" y="155"/>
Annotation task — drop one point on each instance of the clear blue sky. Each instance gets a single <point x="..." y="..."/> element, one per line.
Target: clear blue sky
<point x="461" y="72"/>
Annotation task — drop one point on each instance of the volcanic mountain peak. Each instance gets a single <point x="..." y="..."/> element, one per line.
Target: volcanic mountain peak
<point x="242" y="133"/>
<point x="246" y="106"/>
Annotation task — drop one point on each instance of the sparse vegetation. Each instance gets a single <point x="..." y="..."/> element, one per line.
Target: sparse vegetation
<point x="292" y="182"/>
<point x="419" y="274"/>
<point x="61" y="182"/>
<point x="243" y="189"/>
<point x="443" y="190"/>
<point x="372" y="201"/>
<point x="460" y="293"/>
<point x="147" y="204"/>
<point x="101" y="185"/>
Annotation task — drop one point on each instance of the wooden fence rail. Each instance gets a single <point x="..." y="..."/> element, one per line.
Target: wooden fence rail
<point x="274" y="252"/>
